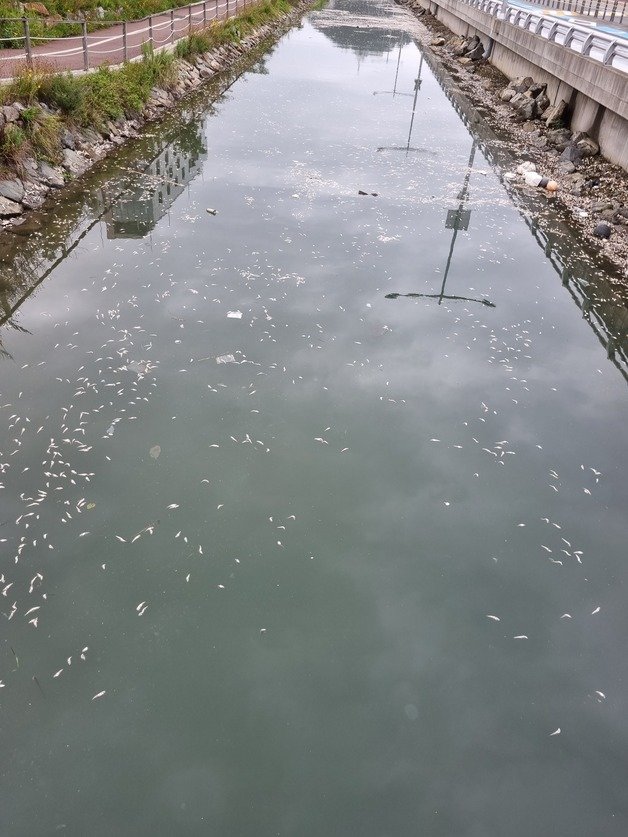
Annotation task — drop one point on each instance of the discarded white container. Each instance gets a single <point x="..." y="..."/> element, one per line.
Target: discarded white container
<point x="525" y="167"/>
<point x="532" y="178"/>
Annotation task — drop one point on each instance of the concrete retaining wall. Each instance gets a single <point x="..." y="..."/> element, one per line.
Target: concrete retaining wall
<point x="597" y="95"/>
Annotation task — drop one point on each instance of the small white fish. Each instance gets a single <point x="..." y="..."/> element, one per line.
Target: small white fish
<point x="601" y="694"/>
<point x="520" y="636"/>
<point x="56" y="674"/>
<point x="99" y="695"/>
<point x="597" y="610"/>
<point x="494" y="618"/>
<point x="566" y="616"/>
<point x="556" y="732"/>
<point x="173" y="506"/>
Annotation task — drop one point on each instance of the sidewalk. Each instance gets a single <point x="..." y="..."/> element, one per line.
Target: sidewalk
<point x="107" y="46"/>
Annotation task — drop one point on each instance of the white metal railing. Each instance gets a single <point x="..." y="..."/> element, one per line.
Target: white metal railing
<point x="607" y="49"/>
<point x="117" y="41"/>
<point x="614" y="11"/>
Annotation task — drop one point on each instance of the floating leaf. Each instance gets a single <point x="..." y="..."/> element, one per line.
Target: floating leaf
<point x="155" y="451"/>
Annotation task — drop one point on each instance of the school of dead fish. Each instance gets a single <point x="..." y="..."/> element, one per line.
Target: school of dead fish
<point x="112" y="383"/>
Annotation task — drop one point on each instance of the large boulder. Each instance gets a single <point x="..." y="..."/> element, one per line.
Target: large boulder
<point x="73" y="162"/>
<point x="560" y="137"/>
<point x="542" y="102"/>
<point x="524" y="105"/>
<point x="12" y="189"/>
<point x="554" y="116"/>
<point x="477" y="53"/>
<point x="51" y="175"/>
<point x="521" y="84"/>
<point x="507" y="94"/>
<point x="9" y="209"/>
<point x="571" y="154"/>
<point x="587" y="146"/>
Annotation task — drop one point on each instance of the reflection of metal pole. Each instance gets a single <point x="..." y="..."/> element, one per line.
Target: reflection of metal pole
<point x="394" y="90"/>
<point x="457" y="219"/>
<point x="417" y="87"/>
<point x="462" y="197"/>
<point x="418" y="81"/>
<point x="397" y="71"/>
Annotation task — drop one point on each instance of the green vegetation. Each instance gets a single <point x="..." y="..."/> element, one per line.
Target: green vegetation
<point x="106" y="94"/>
<point x="55" y="26"/>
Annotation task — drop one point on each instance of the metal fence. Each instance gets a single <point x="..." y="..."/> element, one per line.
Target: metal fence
<point x="615" y="11"/>
<point x="608" y="49"/>
<point x="605" y="48"/>
<point x="119" y="41"/>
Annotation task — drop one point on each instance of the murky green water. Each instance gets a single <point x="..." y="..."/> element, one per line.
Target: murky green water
<point x="260" y="597"/>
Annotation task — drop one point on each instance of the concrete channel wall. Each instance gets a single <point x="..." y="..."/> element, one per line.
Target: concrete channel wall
<point x="597" y="95"/>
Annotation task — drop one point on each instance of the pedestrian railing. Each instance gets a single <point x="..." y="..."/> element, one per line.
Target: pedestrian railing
<point x="605" y="48"/>
<point x="613" y="52"/>
<point x="615" y="11"/>
<point x="119" y="41"/>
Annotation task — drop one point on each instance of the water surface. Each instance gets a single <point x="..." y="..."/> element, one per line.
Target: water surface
<point x="340" y="565"/>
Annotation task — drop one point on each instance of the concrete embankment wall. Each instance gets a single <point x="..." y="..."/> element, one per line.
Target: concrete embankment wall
<point x="597" y="95"/>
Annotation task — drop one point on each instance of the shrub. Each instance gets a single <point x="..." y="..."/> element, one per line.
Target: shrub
<point x="13" y="145"/>
<point x="43" y="131"/>
<point x="63" y="91"/>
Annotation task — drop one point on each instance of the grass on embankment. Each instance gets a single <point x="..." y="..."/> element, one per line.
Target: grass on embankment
<point x="96" y="98"/>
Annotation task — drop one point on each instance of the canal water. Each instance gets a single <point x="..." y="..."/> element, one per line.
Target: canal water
<point x="284" y="550"/>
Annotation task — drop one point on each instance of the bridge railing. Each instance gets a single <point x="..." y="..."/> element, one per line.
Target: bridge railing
<point x="615" y="11"/>
<point x="613" y="52"/>
<point x="599" y="46"/>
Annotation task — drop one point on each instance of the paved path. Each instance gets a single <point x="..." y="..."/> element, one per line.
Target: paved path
<point x="107" y="46"/>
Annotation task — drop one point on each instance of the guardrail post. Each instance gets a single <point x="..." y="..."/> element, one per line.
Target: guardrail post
<point x="150" y="29"/>
<point x="216" y="10"/>
<point x="190" y="19"/>
<point x="125" y="52"/>
<point x="27" y="41"/>
<point x="171" y="26"/>
<point x="85" y="52"/>
<point x="204" y="13"/>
